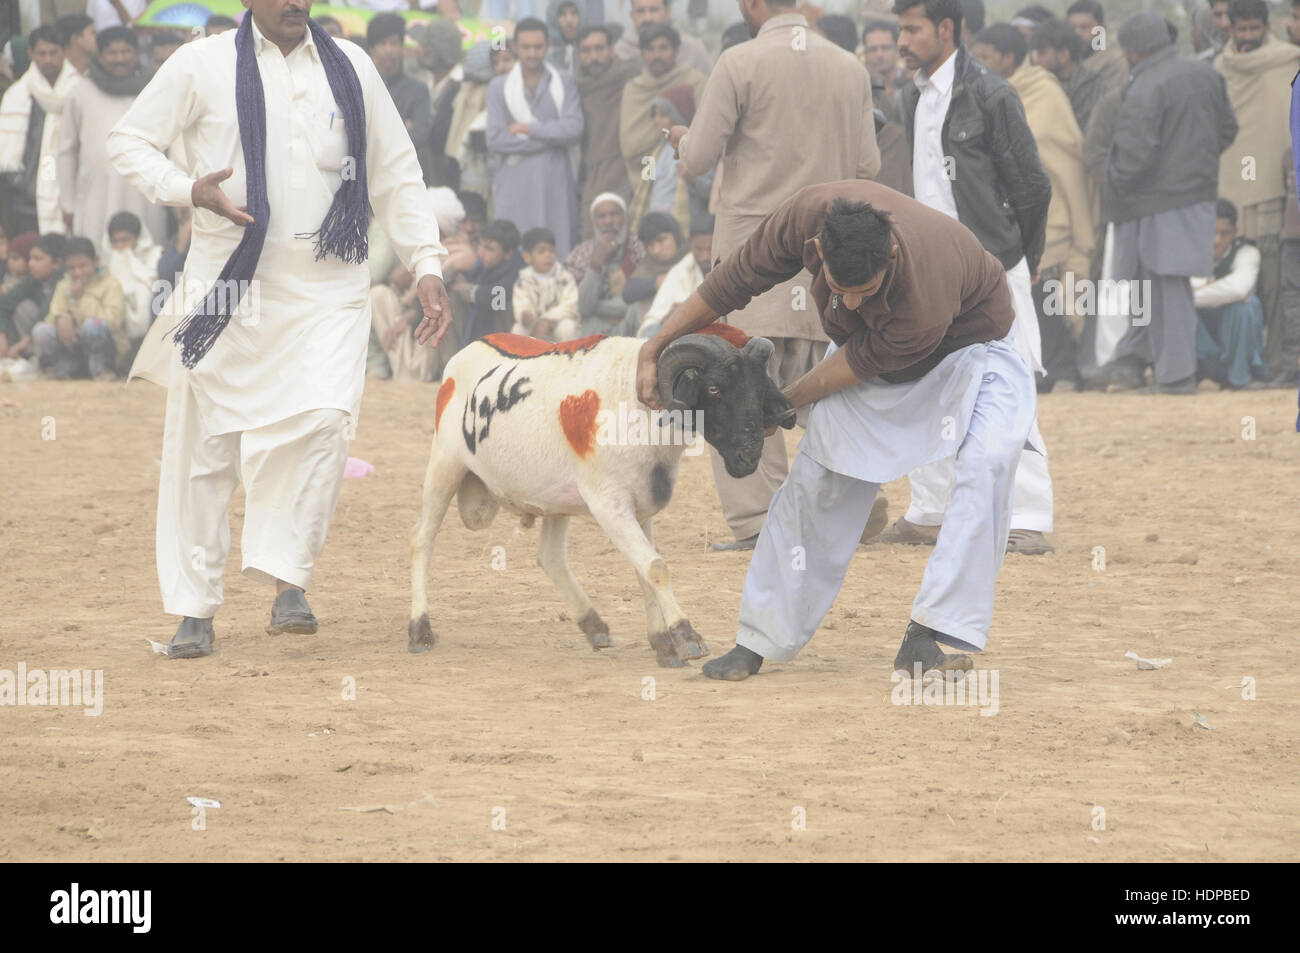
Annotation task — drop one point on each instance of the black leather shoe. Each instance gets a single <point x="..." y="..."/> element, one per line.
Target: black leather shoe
<point x="291" y="614"/>
<point x="193" y="639"/>
<point x="920" y="652"/>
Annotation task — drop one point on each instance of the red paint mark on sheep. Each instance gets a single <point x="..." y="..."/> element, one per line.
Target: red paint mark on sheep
<point x="578" y="418"/>
<point x="517" y="345"/>
<point x="728" y="332"/>
<point x="444" y="395"/>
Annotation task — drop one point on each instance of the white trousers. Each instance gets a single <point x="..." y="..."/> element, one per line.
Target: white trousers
<point x="292" y="471"/>
<point x="1032" y="503"/>
<point x="817" y="518"/>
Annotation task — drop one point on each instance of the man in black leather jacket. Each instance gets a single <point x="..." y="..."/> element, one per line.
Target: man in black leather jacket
<point x="974" y="158"/>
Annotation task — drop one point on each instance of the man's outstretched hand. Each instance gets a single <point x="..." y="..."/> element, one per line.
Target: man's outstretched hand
<point x="437" y="310"/>
<point x="207" y="194"/>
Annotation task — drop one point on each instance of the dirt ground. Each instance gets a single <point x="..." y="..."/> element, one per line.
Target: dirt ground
<point x="513" y="740"/>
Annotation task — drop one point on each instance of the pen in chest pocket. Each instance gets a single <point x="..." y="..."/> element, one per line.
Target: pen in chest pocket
<point x="331" y="121"/>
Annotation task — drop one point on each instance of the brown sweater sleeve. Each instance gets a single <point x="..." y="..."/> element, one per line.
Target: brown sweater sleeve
<point x="771" y="255"/>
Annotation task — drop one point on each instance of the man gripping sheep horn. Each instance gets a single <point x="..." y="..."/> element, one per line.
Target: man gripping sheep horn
<point x="919" y="370"/>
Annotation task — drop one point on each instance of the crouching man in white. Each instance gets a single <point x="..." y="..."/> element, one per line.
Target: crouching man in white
<point x="921" y="369"/>
<point x="291" y="140"/>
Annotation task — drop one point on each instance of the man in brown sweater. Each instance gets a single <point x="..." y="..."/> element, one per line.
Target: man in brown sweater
<point x="920" y="369"/>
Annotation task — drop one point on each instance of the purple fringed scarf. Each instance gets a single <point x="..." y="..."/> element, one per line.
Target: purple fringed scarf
<point x="343" y="231"/>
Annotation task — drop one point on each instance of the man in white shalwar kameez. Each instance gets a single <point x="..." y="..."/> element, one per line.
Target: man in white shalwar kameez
<point x="921" y="368"/>
<point x="275" y="397"/>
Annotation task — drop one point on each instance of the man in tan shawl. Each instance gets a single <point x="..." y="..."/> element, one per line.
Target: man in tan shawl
<point x="601" y="80"/>
<point x="784" y="110"/>
<point x="638" y="137"/>
<point x="1258" y="70"/>
<point x="1070" y="222"/>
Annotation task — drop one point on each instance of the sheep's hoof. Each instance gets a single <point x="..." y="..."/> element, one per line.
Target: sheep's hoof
<point x="687" y="641"/>
<point x="665" y="654"/>
<point x="595" y="629"/>
<point x="421" y="635"/>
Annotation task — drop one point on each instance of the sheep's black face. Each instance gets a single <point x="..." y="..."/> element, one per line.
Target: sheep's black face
<point x="734" y="401"/>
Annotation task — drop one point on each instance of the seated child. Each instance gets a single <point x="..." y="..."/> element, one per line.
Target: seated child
<point x="84" y="333"/>
<point x="546" y="295"/>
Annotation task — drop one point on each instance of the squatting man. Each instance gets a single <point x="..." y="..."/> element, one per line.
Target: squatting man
<point x="920" y="369"/>
<point x="291" y="140"/>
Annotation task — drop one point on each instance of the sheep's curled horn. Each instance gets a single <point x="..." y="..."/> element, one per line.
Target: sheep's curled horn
<point x="696" y="351"/>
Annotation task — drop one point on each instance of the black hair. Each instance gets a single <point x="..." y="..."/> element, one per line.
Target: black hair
<point x="1057" y="35"/>
<point x="656" y="224"/>
<point x="531" y="25"/>
<point x="840" y="31"/>
<point x="1247" y="10"/>
<point x="1004" y="38"/>
<point x="1090" y="7"/>
<point x="855" y="242"/>
<point x="71" y="25"/>
<point x="600" y="28"/>
<point x="1225" y="209"/>
<point x="972" y="14"/>
<point x="326" y="18"/>
<point x="475" y="205"/>
<point x="219" y="19"/>
<point x="738" y="33"/>
<point x="124" y="222"/>
<point x="166" y="38"/>
<point x="1036" y="12"/>
<point x="76" y="245"/>
<point x="537" y="236"/>
<point x="936" y="11"/>
<point x="503" y="232"/>
<point x="116" y="34"/>
<point x="47" y="33"/>
<point x="52" y="243"/>
<point x="654" y="31"/>
<point x="875" y="26"/>
<point x="568" y="3"/>
<point x="384" y="26"/>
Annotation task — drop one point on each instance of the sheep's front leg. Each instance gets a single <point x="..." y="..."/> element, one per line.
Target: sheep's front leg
<point x="694" y="646"/>
<point x="553" y="557"/>
<point x="618" y="521"/>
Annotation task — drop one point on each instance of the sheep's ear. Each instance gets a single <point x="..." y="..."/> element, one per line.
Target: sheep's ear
<point x="686" y="390"/>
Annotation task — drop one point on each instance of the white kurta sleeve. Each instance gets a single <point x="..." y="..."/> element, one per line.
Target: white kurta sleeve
<point x="397" y="191"/>
<point x="1236" y="285"/>
<point x="138" y="143"/>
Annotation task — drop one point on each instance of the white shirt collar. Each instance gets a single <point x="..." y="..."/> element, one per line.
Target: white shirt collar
<point x="260" y="42"/>
<point x="941" y="79"/>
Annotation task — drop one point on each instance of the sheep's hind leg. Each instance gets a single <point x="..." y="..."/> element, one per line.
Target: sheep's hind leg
<point x="441" y="480"/>
<point x="552" y="556"/>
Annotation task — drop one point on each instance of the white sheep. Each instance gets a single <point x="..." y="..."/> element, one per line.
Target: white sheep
<point x="519" y="423"/>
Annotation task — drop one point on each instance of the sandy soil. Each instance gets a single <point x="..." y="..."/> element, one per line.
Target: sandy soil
<point x="513" y="722"/>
